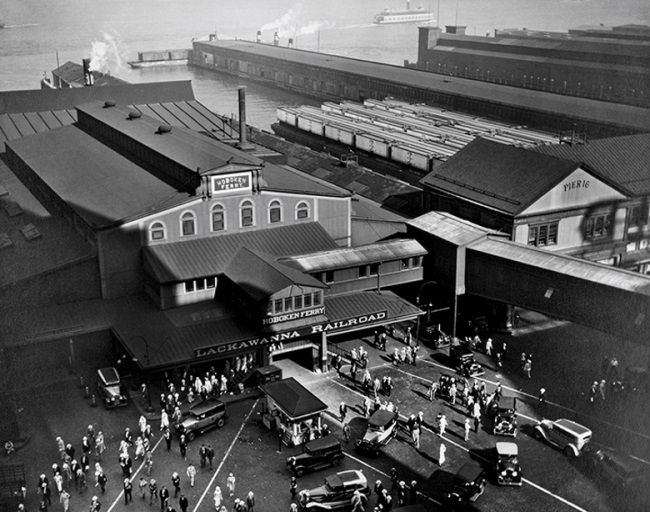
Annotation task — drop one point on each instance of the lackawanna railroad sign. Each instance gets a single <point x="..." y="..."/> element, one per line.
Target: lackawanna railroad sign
<point x="235" y="346"/>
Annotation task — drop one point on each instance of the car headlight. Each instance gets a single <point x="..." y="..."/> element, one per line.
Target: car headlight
<point x="112" y="399"/>
<point x="504" y="472"/>
<point x="514" y="473"/>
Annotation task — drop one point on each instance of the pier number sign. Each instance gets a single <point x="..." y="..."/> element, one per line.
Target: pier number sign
<point x="225" y="183"/>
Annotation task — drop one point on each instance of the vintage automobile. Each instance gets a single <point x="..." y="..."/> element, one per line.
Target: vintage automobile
<point x="615" y="468"/>
<point x="568" y="436"/>
<point x="337" y="492"/>
<point x="382" y="427"/>
<point x="202" y="417"/>
<point x="505" y="417"/>
<point x="110" y="389"/>
<point x="506" y="464"/>
<point x="319" y="453"/>
<point x="434" y="336"/>
<point x="469" y="484"/>
<point x="462" y="359"/>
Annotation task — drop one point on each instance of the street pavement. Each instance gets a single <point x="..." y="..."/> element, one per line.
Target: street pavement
<point x="565" y="359"/>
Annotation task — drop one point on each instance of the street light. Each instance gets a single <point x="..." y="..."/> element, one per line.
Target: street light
<point x="146" y="359"/>
<point x="417" y="303"/>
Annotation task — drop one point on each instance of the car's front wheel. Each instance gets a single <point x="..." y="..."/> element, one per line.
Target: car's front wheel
<point x="300" y="471"/>
<point x="538" y="435"/>
<point x="568" y="451"/>
<point x="191" y="436"/>
<point x="221" y="422"/>
<point x="336" y="462"/>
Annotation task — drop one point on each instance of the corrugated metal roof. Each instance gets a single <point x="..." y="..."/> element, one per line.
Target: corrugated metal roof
<point x="623" y="160"/>
<point x="347" y="257"/>
<point x="570" y="266"/>
<point x="204" y="257"/>
<point x="450" y="228"/>
<point x="342" y="307"/>
<point x="261" y="276"/>
<point x="363" y="208"/>
<point x="73" y="73"/>
<point x="40" y="100"/>
<point x="503" y="177"/>
<point x="102" y="186"/>
<point x="579" y="108"/>
<point x="293" y="398"/>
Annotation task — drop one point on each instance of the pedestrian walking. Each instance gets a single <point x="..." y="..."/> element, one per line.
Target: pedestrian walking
<point x="182" y="444"/>
<point x="358" y="501"/>
<point x="293" y="487"/>
<point x="592" y="393"/>
<point x="541" y="400"/>
<point x="139" y="448"/>
<point x="347" y="432"/>
<point x="441" y="456"/>
<point x="203" y="455"/>
<point x="293" y="508"/>
<point x="528" y="366"/>
<point x="64" y="499"/>
<point x="142" y="487"/>
<point x="601" y="389"/>
<point x="343" y="410"/>
<point x="379" y="489"/>
<point x="499" y="359"/>
<point x="164" y="420"/>
<point x="416" y="437"/>
<point x="498" y="392"/>
<point x="61" y="446"/>
<point x="176" y="482"/>
<point x="413" y="493"/>
<point x="467" y="429"/>
<point x="477" y="422"/>
<point x="183" y="503"/>
<point x="85" y="445"/>
<point x="95" y="504"/>
<point x="250" y="502"/>
<point x="153" y="490"/>
<point x="218" y="497"/>
<point x="148" y="461"/>
<point x="58" y="481"/>
<point x="442" y="425"/>
<point x="394" y="479"/>
<point x="100" y="447"/>
<point x="367" y="405"/>
<point x="209" y="452"/>
<point x="191" y="473"/>
<point x="164" y="497"/>
<point x="128" y="491"/>
<point x="433" y="390"/>
<point x="488" y="347"/>
<point x="230" y="483"/>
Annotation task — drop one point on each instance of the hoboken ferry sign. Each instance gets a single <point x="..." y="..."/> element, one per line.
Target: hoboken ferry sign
<point x="337" y="325"/>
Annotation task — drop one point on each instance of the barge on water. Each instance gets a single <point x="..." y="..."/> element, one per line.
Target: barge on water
<point x="161" y="58"/>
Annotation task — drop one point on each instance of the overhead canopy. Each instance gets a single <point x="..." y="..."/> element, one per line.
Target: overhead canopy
<point x="293" y="398"/>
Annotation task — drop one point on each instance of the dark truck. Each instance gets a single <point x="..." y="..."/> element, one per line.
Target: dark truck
<point x="462" y="360"/>
<point x="319" y="453"/>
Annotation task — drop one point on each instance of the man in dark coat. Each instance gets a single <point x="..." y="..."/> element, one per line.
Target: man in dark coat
<point x="164" y="498"/>
<point x="128" y="491"/>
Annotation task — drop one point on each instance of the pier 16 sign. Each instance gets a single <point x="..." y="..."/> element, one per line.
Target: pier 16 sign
<point x="236" y="346"/>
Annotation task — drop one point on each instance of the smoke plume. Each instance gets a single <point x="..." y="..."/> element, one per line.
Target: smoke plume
<point x="105" y="54"/>
<point x="289" y="24"/>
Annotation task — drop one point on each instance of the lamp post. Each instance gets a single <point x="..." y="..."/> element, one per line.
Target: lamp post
<point x="146" y="359"/>
<point x="417" y="303"/>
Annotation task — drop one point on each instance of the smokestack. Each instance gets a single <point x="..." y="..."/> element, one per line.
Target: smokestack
<point x="259" y="36"/>
<point x="242" y="116"/>
<point x="276" y="39"/>
<point x="88" y="76"/>
<point x="291" y="42"/>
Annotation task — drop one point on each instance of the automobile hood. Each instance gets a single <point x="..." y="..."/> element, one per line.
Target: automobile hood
<point x="114" y="391"/>
<point x="372" y="437"/>
<point x="188" y="422"/>
<point x="318" y="493"/>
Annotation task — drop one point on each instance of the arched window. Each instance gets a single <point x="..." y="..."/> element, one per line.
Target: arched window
<point x="247" y="213"/>
<point x="275" y="212"/>
<point x="218" y="218"/>
<point x="188" y="224"/>
<point x="302" y="211"/>
<point x="157" y="231"/>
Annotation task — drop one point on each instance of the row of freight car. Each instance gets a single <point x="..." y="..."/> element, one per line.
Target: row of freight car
<point x="413" y="135"/>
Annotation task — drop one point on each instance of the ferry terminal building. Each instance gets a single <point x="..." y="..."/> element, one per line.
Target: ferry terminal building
<point x="239" y="257"/>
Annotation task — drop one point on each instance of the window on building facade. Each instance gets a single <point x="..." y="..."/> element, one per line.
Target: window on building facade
<point x="247" y="213"/>
<point x="277" y="305"/>
<point x="318" y="298"/>
<point x="406" y="263"/>
<point x="363" y="271"/>
<point x="288" y="304"/>
<point x="638" y="216"/>
<point x="307" y="300"/>
<point x="374" y="269"/>
<point x="598" y="226"/>
<point x="302" y="211"/>
<point x="543" y="234"/>
<point x="157" y="231"/>
<point x="210" y="282"/>
<point x="200" y="285"/>
<point x="188" y="224"/>
<point x="297" y="302"/>
<point x="218" y="218"/>
<point x="329" y="276"/>
<point x="275" y="212"/>
<point x="189" y="286"/>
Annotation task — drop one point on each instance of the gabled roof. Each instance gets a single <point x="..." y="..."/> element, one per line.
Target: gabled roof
<point x="502" y="177"/>
<point x="347" y="257"/>
<point x="622" y="160"/>
<point x="450" y="228"/>
<point x="293" y="398"/>
<point x="210" y="256"/>
<point x="260" y="276"/>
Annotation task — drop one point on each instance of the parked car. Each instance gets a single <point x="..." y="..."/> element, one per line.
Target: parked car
<point x="434" y="336"/>
<point x="110" y="389"/>
<point x="616" y="468"/>
<point x="469" y="484"/>
<point x="568" y="436"/>
<point x="202" y="417"/>
<point x="505" y="417"/>
<point x="317" y="454"/>
<point x="337" y="491"/>
<point x="382" y="427"/>
<point x="506" y="464"/>
<point x="462" y="359"/>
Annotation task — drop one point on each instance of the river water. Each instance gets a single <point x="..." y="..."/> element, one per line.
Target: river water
<point x="37" y="32"/>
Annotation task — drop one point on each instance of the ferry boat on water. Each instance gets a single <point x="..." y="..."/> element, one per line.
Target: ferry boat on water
<point x="409" y="15"/>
